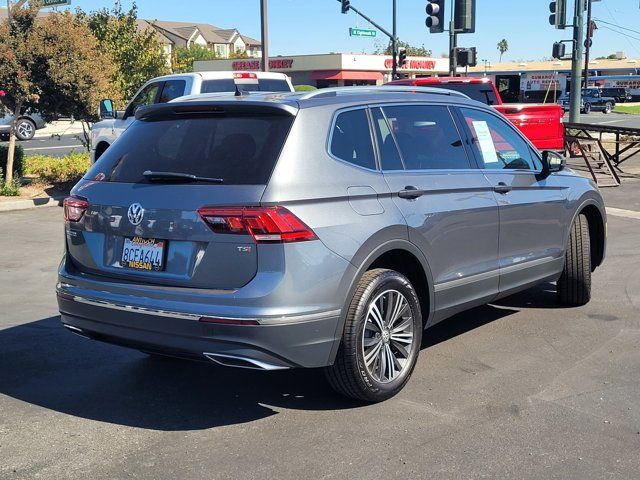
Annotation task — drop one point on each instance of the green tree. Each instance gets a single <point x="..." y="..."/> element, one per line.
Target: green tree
<point x="183" y="57"/>
<point x="136" y="52"/>
<point x="412" y="51"/>
<point x="52" y="65"/>
<point x="503" y="46"/>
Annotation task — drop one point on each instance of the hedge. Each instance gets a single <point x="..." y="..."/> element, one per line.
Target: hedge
<point x="18" y="159"/>
<point x="51" y="170"/>
<point x="303" y="88"/>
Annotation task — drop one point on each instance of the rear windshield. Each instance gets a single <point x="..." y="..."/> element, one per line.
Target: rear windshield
<point x="481" y="92"/>
<point x="228" y="85"/>
<point x="240" y="149"/>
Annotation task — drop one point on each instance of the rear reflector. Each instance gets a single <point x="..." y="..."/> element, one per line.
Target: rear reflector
<point x="228" y="321"/>
<point x="264" y="224"/>
<point x="239" y="75"/>
<point x="74" y="208"/>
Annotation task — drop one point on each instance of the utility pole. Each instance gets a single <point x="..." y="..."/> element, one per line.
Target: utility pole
<point x="576" y="61"/>
<point x="9" y="6"/>
<point x="394" y="46"/>
<point x="587" y="46"/>
<point x="453" y="44"/>
<point x="264" y="32"/>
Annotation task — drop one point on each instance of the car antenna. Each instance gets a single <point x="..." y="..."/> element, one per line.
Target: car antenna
<point x="239" y="93"/>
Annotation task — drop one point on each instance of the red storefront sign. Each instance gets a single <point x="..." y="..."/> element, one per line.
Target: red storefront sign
<point x="276" y="63"/>
<point x="413" y="64"/>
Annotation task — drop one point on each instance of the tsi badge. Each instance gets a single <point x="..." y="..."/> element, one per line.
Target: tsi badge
<point x="135" y="213"/>
<point x="244" y="248"/>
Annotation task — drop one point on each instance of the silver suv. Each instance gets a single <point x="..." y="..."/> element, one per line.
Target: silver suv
<point x="325" y="229"/>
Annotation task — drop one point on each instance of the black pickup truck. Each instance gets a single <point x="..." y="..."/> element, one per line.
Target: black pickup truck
<point x="593" y="99"/>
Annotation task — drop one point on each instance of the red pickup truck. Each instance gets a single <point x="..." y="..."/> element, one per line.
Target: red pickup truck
<point x="540" y="123"/>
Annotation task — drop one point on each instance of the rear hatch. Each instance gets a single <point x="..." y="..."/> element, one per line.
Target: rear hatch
<point x="141" y="199"/>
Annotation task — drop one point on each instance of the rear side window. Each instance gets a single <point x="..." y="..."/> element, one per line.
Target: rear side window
<point x="172" y="89"/>
<point x="216" y="86"/>
<point x="240" y="149"/>
<point x="351" y="139"/>
<point x="426" y="136"/>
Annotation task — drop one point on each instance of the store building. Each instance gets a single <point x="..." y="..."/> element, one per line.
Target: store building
<point x="333" y="69"/>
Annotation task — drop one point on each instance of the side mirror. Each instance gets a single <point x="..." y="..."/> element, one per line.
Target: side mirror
<point x="107" y="110"/>
<point x="552" y="162"/>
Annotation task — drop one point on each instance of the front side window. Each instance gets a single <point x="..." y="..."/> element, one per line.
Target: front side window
<point x="146" y="97"/>
<point x="351" y="139"/>
<point x="498" y="145"/>
<point x="425" y="135"/>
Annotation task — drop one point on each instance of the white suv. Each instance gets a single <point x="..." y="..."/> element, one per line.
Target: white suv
<point x="169" y="87"/>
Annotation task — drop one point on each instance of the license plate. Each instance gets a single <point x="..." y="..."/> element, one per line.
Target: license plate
<point x="143" y="254"/>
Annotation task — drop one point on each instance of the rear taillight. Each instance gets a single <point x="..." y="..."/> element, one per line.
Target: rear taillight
<point x="74" y="208"/>
<point x="264" y="224"/>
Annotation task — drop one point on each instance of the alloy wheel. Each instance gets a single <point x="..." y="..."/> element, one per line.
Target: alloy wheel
<point x="24" y="129"/>
<point x="388" y="337"/>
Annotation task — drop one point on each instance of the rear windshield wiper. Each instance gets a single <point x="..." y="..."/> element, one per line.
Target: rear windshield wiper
<point x="178" y="177"/>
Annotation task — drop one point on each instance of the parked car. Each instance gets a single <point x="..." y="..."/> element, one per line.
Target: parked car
<point x="26" y="127"/>
<point x="320" y="229"/>
<point x="592" y="100"/>
<point x="540" y="123"/>
<point x="169" y="87"/>
<point x="620" y="95"/>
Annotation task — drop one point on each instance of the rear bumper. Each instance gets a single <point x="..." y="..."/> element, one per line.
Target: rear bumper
<point x="282" y="342"/>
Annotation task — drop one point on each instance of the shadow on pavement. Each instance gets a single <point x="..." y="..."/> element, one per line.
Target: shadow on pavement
<point x="43" y="364"/>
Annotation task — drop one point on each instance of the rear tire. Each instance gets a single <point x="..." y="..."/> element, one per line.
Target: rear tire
<point x="378" y="352"/>
<point x="25" y="129"/>
<point x="587" y="108"/>
<point x="574" y="285"/>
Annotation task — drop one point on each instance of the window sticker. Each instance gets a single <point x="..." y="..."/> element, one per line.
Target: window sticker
<point x="485" y="141"/>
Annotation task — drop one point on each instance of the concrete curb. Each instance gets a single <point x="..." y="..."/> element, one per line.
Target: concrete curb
<point x="29" y="203"/>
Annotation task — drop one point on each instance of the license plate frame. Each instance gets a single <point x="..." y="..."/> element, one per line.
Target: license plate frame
<point x="143" y="254"/>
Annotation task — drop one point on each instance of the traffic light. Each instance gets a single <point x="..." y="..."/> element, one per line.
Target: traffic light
<point x="558" y="17"/>
<point x="464" y="20"/>
<point x="402" y="58"/>
<point x="466" y="57"/>
<point x="346" y="5"/>
<point x="435" y="18"/>
<point x="559" y="49"/>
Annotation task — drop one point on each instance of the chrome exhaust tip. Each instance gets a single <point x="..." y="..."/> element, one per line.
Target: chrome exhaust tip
<point x="76" y="330"/>
<point x="241" y="362"/>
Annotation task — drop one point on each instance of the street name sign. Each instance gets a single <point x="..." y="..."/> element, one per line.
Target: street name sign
<point x="54" y="3"/>
<point x="362" y="32"/>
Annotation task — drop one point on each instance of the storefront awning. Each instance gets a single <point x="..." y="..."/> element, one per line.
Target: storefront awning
<point x="345" y="75"/>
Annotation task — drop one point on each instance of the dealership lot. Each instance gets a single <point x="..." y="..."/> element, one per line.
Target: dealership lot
<point x="519" y="389"/>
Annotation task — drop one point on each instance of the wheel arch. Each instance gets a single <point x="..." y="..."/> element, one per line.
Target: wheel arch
<point x="596" y="217"/>
<point x="399" y="255"/>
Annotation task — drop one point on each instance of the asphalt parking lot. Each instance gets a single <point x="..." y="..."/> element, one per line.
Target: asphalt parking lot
<point x="520" y="389"/>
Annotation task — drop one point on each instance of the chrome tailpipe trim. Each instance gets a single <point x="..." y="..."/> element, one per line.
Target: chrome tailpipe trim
<point x="241" y="362"/>
<point x="76" y="330"/>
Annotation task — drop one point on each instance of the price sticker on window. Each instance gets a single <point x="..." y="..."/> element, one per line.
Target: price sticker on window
<point x="485" y="142"/>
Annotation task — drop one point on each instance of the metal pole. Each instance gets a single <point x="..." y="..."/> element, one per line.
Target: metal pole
<point x="453" y="43"/>
<point x="587" y="46"/>
<point x="9" y="12"/>
<point x="394" y="46"/>
<point x="264" y="31"/>
<point x="576" y="61"/>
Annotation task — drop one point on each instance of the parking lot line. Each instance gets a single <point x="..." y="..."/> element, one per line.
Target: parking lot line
<point x="621" y="212"/>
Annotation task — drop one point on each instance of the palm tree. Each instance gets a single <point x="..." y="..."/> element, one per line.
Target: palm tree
<point x="503" y="46"/>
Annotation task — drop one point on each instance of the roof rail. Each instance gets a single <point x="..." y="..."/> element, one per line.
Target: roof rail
<point x="336" y="91"/>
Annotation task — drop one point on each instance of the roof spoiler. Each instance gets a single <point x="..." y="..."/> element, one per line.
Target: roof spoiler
<point x="214" y="107"/>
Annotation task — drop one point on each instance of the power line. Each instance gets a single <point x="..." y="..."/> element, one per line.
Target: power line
<point x="622" y="33"/>
<point x="616" y="25"/>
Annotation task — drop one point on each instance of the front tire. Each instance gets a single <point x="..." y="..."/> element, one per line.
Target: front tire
<point x="607" y="108"/>
<point x="587" y="108"/>
<point x="25" y="129"/>
<point x="381" y="338"/>
<point x="574" y="285"/>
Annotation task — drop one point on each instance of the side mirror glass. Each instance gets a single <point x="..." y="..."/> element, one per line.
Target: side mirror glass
<point x="107" y="109"/>
<point x="552" y="162"/>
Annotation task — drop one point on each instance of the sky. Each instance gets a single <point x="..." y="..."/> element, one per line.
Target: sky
<point x="299" y="27"/>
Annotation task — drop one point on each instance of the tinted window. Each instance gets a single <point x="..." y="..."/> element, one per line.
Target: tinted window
<point x="499" y="146"/>
<point x="172" y="89"/>
<point x="146" y="97"/>
<point x="481" y="92"/>
<point x="351" y="139"/>
<point x="389" y="155"/>
<point x="228" y="85"/>
<point x="427" y="137"/>
<point x="238" y="149"/>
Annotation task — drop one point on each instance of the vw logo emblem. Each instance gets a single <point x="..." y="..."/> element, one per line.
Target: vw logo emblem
<point x="135" y="213"/>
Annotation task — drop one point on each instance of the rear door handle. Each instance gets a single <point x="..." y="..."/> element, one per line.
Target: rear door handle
<point x="502" y="188"/>
<point x="410" y="192"/>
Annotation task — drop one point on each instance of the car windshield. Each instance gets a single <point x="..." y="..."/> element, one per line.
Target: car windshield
<point x="239" y="149"/>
